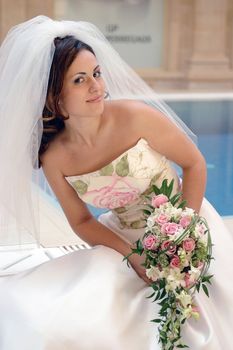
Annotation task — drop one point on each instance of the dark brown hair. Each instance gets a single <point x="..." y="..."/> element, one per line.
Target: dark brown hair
<point x="66" y="50"/>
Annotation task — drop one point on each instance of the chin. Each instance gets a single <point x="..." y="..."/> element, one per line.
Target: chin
<point x="97" y="107"/>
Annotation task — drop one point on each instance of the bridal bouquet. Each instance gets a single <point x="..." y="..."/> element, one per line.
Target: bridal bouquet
<point x="177" y="248"/>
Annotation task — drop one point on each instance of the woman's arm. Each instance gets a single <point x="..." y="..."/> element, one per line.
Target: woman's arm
<point x="194" y="183"/>
<point x="79" y="217"/>
<point x="167" y="139"/>
<point x="81" y="220"/>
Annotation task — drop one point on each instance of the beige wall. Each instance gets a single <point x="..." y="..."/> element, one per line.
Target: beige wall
<point x="198" y="41"/>
<point x="15" y="11"/>
<point x="198" y="46"/>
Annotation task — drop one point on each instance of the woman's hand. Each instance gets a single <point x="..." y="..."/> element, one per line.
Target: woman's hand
<point x="136" y="261"/>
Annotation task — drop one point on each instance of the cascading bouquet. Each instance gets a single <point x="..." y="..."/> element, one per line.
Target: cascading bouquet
<point x="178" y="250"/>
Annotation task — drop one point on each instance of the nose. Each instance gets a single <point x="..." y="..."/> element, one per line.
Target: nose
<point x="94" y="85"/>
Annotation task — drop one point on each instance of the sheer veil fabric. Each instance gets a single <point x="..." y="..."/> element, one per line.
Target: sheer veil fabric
<point x="25" y="59"/>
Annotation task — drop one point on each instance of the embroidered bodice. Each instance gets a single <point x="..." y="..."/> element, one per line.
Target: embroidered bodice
<point x="124" y="185"/>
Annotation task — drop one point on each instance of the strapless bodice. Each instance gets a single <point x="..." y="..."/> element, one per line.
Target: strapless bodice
<point x="124" y="185"/>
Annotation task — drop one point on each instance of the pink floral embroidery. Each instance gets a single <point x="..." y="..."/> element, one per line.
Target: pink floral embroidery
<point x="115" y="196"/>
<point x="114" y="199"/>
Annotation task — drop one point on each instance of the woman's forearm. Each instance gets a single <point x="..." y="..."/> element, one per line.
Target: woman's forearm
<point x="95" y="233"/>
<point x="194" y="184"/>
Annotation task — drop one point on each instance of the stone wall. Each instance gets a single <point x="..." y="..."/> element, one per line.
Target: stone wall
<point x="198" y="47"/>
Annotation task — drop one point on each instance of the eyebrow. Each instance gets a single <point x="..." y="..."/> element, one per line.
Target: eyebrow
<point x="83" y="73"/>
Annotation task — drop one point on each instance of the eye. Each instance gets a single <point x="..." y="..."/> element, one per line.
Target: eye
<point x="97" y="74"/>
<point x="79" y="80"/>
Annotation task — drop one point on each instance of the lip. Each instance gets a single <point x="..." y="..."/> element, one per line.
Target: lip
<point x="95" y="99"/>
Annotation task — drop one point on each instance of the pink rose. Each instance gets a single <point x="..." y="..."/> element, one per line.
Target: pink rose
<point x="188" y="281"/>
<point x="185" y="221"/>
<point x="195" y="309"/>
<point x="189" y="244"/>
<point x="175" y="262"/>
<point x="171" y="250"/>
<point x="195" y="312"/>
<point x="162" y="219"/>
<point x="158" y="200"/>
<point x="170" y="228"/>
<point x="150" y="242"/>
<point x="200" y="265"/>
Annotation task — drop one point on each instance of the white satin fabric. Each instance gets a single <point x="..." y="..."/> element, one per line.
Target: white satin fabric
<point x="91" y="300"/>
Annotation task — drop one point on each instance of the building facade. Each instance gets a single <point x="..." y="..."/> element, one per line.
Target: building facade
<point x="197" y="40"/>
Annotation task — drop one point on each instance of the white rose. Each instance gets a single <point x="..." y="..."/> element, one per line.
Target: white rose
<point x="204" y="239"/>
<point x="196" y="232"/>
<point x="176" y="213"/>
<point x="184" y="298"/>
<point x="188" y="212"/>
<point x="194" y="273"/>
<point x="172" y="285"/>
<point x="150" y="222"/>
<point x="154" y="273"/>
<point x="174" y="279"/>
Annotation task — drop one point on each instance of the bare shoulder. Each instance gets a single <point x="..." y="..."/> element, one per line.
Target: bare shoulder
<point x="137" y="115"/>
<point x="162" y="134"/>
<point x="124" y="106"/>
<point x="52" y="156"/>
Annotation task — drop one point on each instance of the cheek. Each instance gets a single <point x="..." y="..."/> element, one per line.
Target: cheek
<point x="74" y="100"/>
<point x="102" y="84"/>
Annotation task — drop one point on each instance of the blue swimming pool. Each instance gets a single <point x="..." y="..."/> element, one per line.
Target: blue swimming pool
<point x="212" y="122"/>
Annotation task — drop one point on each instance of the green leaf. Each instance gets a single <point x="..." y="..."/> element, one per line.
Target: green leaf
<point x="147" y="212"/>
<point x="154" y="286"/>
<point x="107" y="170"/>
<point x="139" y="245"/>
<point x="162" y="283"/>
<point x="156" y="190"/>
<point x="182" y="204"/>
<point x="163" y="293"/>
<point x="80" y="186"/>
<point x="164" y="186"/>
<point x="205" y="289"/>
<point x="207" y="278"/>
<point x="164" y="307"/>
<point x="122" y="167"/>
<point x="175" y="198"/>
<point x="182" y="346"/>
<point x="157" y="296"/>
<point x="150" y="296"/>
<point x="170" y="188"/>
<point x="163" y="335"/>
<point x="156" y="320"/>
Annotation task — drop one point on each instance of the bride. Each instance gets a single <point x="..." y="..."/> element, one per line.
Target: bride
<point x="102" y="137"/>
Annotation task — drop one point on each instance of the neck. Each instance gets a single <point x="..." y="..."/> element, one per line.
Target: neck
<point x="83" y="130"/>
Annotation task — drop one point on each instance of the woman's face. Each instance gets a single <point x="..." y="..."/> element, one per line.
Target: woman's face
<point x="83" y="88"/>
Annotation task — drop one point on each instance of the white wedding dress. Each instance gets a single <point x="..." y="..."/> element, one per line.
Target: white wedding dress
<point x="90" y="299"/>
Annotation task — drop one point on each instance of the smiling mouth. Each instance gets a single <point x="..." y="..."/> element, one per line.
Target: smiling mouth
<point x="95" y="99"/>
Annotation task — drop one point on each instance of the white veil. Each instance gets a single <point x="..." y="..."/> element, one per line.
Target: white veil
<point x="25" y="59"/>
